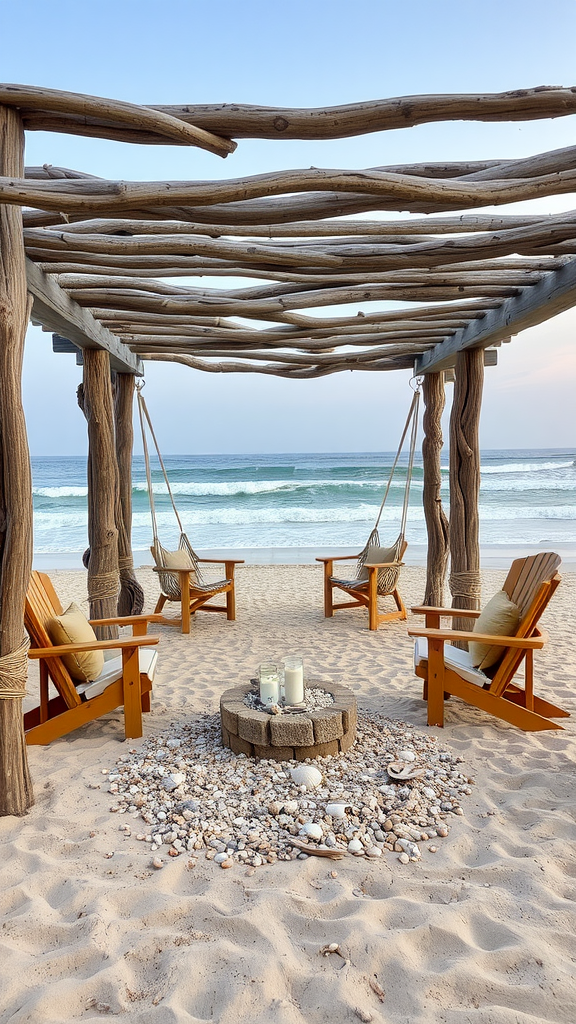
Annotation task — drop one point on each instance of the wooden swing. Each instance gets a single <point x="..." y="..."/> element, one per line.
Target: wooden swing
<point x="377" y="567"/>
<point x="179" y="571"/>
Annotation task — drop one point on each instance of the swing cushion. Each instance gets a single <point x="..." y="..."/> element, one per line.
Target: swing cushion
<point x="72" y="627"/>
<point x="375" y="554"/>
<point x="179" y="559"/>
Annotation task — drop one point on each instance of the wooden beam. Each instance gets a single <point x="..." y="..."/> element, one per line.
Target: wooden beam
<point x="554" y="294"/>
<point x="57" y="312"/>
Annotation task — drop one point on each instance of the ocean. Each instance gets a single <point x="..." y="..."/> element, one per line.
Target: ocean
<point x="290" y="507"/>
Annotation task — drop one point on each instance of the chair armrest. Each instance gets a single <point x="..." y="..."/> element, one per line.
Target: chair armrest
<point x="381" y="565"/>
<point x="523" y="643"/>
<point x="424" y="609"/>
<point x="93" y="645"/>
<point x="223" y="561"/>
<point x="126" y="620"/>
<point x="337" y="558"/>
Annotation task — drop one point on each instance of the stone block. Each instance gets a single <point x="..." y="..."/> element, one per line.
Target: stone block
<point x="225" y="737"/>
<point x="347" y="740"/>
<point x="253" y="726"/>
<point x="327" y="725"/>
<point x="235" y="693"/>
<point x="229" y="715"/>
<point x="349" y="716"/>
<point x="291" y="731"/>
<point x="274" y="753"/>
<point x="240" y="746"/>
<point x="330" y="749"/>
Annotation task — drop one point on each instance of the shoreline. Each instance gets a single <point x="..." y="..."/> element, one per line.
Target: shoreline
<point x="492" y="556"/>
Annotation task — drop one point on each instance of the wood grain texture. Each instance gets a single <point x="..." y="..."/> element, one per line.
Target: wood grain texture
<point x="16" y="793"/>
<point x="436" y="521"/>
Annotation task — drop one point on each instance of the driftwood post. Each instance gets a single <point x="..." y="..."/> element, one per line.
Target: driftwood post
<point x="131" y="599"/>
<point x="436" y="521"/>
<point x="95" y="400"/>
<point x="16" y="794"/>
<point x="465" y="482"/>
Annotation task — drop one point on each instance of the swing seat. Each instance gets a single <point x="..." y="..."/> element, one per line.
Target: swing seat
<point x="181" y="580"/>
<point x="377" y="574"/>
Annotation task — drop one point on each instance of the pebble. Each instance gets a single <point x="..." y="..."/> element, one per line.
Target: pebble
<point x="404" y="858"/>
<point x="157" y="863"/>
<point x="191" y="794"/>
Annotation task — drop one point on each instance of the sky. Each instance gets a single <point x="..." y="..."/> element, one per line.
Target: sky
<point x="315" y="54"/>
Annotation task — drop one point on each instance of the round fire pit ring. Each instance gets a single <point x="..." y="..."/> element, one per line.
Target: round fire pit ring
<point x="323" y="732"/>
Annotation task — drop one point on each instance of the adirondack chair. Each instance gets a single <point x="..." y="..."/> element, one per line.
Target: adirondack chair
<point x="126" y="680"/>
<point x="188" y="587"/>
<point x="448" y="671"/>
<point x="373" y="580"/>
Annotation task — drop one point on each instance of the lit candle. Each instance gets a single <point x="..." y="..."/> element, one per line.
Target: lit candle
<point x="293" y="680"/>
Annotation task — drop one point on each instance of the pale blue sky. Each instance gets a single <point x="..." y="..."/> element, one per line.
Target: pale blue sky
<point x="299" y="54"/>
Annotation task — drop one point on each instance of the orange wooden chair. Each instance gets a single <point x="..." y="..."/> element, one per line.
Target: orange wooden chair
<point x="373" y="579"/>
<point x="126" y="680"/>
<point x="448" y="671"/>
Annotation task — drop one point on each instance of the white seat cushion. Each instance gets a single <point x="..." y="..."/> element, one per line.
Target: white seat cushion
<point x="112" y="671"/>
<point x="454" y="658"/>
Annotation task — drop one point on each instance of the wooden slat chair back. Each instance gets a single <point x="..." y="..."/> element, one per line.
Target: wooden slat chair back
<point x="188" y="586"/>
<point x="126" y="681"/>
<point x="42" y="605"/>
<point x="372" y="580"/>
<point x="531" y="583"/>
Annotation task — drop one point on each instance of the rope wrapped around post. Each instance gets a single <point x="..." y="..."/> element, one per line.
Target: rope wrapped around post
<point x="466" y="584"/>
<point x="103" y="586"/>
<point x="14" y="672"/>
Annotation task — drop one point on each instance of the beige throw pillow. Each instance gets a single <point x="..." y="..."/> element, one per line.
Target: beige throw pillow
<point x="72" y="627"/>
<point x="500" y="617"/>
<point x="179" y="559"/>
<point x="378" y="555"/>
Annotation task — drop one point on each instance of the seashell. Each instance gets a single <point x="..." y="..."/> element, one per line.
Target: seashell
<point x="401" y="772"/>
<point x="306" y="775"/>
<point x="336" y="810"/>
<point x="312" y="830"/>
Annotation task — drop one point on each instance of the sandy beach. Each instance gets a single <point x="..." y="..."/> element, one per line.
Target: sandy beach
<point x="481" y="931"/>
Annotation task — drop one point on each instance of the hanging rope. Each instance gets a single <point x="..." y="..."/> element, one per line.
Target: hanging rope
<point x="143" y="413"/>
<point x="388" y="576"/>
<point x="412" y="418"/>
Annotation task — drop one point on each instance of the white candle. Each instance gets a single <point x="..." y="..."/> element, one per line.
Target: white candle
<point x="270" y="689"/>
<point x="293" y="681"/>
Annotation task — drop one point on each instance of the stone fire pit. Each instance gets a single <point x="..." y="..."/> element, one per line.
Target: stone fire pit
<point x="320" y="733"/>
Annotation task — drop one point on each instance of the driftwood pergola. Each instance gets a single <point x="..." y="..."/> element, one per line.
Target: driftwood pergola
<point x="89" y="260"/>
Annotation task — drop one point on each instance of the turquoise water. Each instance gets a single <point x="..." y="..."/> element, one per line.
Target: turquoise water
<point x="527" y="497"/>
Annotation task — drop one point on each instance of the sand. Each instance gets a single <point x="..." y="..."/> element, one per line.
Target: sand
<point x="481" y="931"/>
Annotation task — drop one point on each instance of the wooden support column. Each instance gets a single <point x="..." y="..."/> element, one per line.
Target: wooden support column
<point x="465" y="482"/>
<point x="95" y="400"/>
<point x="131" y="599"/>
<point x="16" y="794"/>
<point x="436" y="521"/>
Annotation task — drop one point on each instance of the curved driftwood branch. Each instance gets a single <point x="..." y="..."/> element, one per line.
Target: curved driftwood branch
<point x="76" y="196"/>
<point x="166" y="126"/>
<point x="239" y="120"/>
